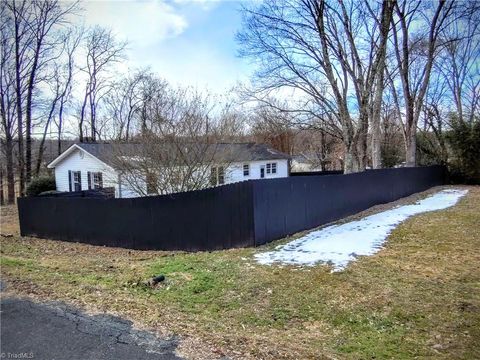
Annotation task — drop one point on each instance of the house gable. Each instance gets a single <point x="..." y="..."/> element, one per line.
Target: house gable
<point x="80" y="160"/>
<point x="71" y="150"/>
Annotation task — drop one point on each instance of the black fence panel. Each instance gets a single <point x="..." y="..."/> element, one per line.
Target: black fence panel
<point x="105" y="193"/>
<point x="285" y="206"/>
<point x="237" y="215"/>
<point x="316" y="173"/>
<point x="209" y="219"/>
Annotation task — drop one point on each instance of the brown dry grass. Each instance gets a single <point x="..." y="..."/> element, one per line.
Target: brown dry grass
<point x="419" y="297"/>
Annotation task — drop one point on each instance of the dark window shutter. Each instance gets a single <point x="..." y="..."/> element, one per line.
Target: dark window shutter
<point x="80" y="179"/>
<point x="70" y="180"/>
<point x="100" y="180"/>
<point x="89" y="179"/>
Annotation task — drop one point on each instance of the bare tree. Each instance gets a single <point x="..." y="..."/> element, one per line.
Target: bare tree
<point x="47" y="15"/>
<point x="416" y="32"/>
<point x="20" y="18"/>
<point x="176" y="147"/>
<point x="72" y="41"/>
<point x="33" y="32"/>
<point x="55" y="84"/>
<point x="274" y="127"/>
<point x="102" y="51"/>
<point x="8" y="101"/>
<point x="457" y="66"/>
<point x="376" y="107"/>
<point x="127" y="101"/>
<point x="329" y="52"/>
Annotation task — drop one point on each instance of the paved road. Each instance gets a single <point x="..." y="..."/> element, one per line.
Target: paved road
<point x="56" y="331"/>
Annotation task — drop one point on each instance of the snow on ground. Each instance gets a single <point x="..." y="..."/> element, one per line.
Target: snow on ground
<point x="340" y="244"/>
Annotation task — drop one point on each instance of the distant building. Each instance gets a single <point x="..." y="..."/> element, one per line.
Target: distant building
<point x="305" y="162"/>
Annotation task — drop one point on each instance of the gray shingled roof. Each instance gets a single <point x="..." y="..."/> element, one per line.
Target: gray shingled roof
<point x="226" y="152"/>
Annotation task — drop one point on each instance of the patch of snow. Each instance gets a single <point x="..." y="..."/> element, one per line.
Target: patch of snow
<point x="339" y="244"/>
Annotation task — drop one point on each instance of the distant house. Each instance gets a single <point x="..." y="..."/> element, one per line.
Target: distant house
<point x="85" y="166"/>
<point x="305" y="162"/>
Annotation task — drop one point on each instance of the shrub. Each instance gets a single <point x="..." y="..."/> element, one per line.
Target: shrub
<point x="464" y="139"/>
<point x="41" y="184"/>
<point x="431" y="149"/>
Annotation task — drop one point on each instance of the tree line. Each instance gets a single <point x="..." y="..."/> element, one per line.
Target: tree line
<point x="357" y="67"/>
<point x="356" y="83"/>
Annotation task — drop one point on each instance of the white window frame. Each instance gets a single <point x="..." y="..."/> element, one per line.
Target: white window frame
<point x="246" y="169"/>
<point x="217" y="175"/>
<point x="75" y="182"/>
<point x="97" y="180"/>
<point x="271" y="168"/>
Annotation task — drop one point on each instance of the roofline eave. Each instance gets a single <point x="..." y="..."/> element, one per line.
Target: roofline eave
<point x="67" y="152"/>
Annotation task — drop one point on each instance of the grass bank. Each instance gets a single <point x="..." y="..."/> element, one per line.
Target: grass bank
<point x="418" y="297"/>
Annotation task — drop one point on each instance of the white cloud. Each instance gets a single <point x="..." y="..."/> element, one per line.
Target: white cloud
<point x="204" y="4"/>
<point x="140" y="22"/>
<point x="163" y="35"/>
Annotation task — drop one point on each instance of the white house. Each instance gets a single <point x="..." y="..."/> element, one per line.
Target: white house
<point x="85" y="166"/>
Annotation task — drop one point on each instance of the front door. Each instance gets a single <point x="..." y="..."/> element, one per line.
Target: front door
<point x="262" y="171"/>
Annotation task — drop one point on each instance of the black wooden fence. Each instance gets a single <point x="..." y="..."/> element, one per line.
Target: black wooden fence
<point x="237" y="215"/>
<point x="105" y="193"/>
<point x="316" y="173"/>
<point x="286" y="206"/>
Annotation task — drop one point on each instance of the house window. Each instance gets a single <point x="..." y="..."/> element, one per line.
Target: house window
<point x="213" y="176"/>
<point x="75" y="181"/>
<point x="271" y="168"/>
<point x="221" y="175"/>
<point x="217" y="175"/>
<point x="95" y="180"/>
<point x="246" y="170"/>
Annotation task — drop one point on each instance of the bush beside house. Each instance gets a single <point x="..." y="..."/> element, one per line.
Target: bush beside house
<point x="40" y="185"/>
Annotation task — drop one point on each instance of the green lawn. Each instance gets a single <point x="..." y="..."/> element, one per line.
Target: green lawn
<point x="419" y="297"/>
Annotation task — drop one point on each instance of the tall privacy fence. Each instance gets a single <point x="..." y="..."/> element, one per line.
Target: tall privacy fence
<point x="244" y="214"/>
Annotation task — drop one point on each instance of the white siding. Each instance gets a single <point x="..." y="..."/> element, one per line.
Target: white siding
<point x="234" y="171"/>
<point x="132" y="186"/>
<point x="82" y="161"/>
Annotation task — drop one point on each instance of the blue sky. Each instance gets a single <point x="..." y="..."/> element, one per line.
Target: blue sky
<point x="189" y="43"/>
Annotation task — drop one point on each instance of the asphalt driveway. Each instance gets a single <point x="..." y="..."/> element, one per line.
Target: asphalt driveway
<point x="55" y="331"/>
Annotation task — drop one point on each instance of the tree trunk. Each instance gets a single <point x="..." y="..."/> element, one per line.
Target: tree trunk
<point x="60" y="124"/>
<point x="40" y="157"/>
<point x="387" y="14"/>
<point x="18" y="93"/>
<point x="376" y="145"/>
<point x="375" y="121"/>
<point x="82" y="117"/>
<point x="2" y="197"/>
<point x="93" y="125"/>
<point x="10" y="174"/>
<point x="411" y="147"/>
<point x="359" y="141"/>
<point x="350" y="163"/>
<point x="28" y="118"/>
<point x="41" y="150"/>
